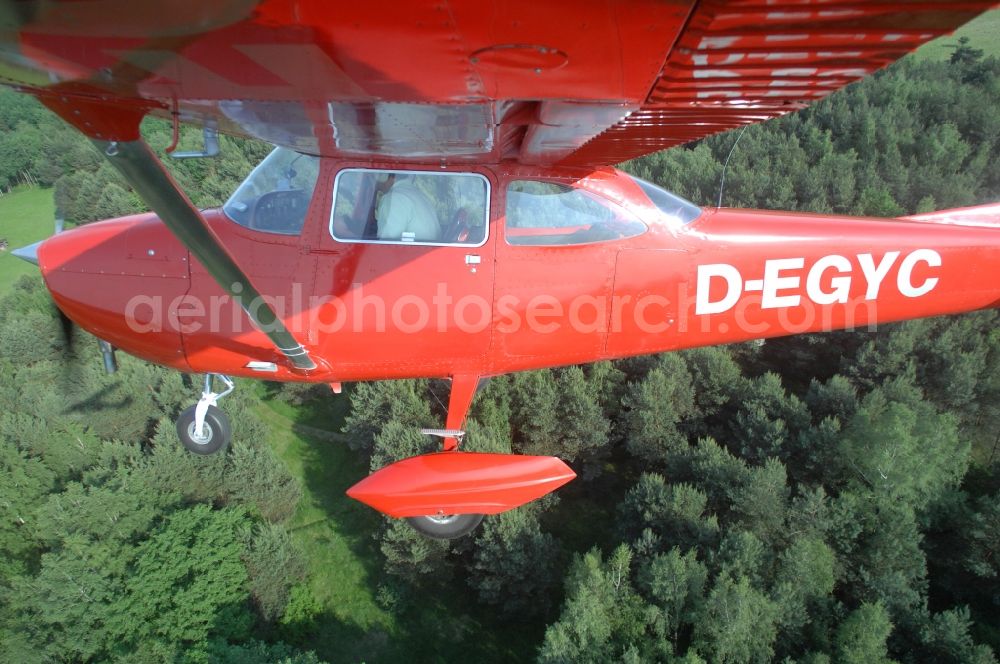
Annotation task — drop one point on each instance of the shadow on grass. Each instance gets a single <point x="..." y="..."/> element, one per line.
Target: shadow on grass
<point x="313" y="406"/>
<point x="101" y="400"/>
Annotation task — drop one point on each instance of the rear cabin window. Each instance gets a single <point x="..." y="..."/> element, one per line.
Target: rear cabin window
<point x="410" y="207"/>
<point x="677" y="209"/>
<point x="276" y="195"/>
<point x="546" y="214"/>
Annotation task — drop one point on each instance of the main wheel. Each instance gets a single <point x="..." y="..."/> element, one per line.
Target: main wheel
<point x="216" y="433"/>
<point x="445" y="527"/>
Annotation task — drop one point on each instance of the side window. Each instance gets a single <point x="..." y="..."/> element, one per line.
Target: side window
<point x="411" y="207"/>
<point x="276" y="195"/>
<point x="546" y="213"/>
<point x="674" y="208"/>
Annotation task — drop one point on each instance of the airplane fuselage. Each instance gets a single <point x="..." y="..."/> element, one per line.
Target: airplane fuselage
<point x="517" y="298"/>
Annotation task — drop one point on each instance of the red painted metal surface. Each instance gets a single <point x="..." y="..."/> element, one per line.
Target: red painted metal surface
<point x="755" y="274"/>
<point x="737" y="275"/>
<point x="460" y="483"/>
<point x="742" y="62"/>
<point x="593" y="82"/>
<point x="114" y="277"/>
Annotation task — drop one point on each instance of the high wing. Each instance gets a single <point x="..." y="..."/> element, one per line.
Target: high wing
<point x="590" y="82"/>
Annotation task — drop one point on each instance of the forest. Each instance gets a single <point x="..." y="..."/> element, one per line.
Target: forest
<point x="820" y="498"/>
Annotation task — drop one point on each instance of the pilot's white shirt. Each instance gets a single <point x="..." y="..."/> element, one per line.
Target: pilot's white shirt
<point x="405" y="209"/>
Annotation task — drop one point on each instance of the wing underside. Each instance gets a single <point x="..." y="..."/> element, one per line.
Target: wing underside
<point x="586" y="83"/>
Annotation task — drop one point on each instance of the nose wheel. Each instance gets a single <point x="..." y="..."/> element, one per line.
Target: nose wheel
<point x="203" y="428"/>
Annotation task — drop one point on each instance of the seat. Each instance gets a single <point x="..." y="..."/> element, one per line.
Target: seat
<point x="458" y="230"/>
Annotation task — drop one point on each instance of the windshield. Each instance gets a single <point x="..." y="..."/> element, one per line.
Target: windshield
<point x="276" y="195"/>
<point x="676" y="208"/>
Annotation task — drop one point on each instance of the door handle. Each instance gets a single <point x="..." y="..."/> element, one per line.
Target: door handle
<point x="472" y="260"/>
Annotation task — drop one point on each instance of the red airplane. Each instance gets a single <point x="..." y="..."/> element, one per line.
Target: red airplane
<point x="441" y="206"/>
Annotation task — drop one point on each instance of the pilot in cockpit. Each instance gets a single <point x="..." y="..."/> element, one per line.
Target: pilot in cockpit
<point x="404" y="212"/>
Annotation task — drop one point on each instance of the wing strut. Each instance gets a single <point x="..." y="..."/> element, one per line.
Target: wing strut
<point x="140" y="167"/>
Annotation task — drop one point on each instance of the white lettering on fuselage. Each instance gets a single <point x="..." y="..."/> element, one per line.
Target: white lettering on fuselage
<point x="828" y="280"/>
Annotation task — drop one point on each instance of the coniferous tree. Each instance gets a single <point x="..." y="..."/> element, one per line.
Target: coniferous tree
<point x="861" y="638"/>
<point x="657" y="409"/>
<point x="514" y="563"/>
<point x="738" y="623"/>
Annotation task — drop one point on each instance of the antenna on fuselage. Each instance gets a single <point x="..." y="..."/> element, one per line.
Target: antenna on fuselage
<point x="722" y="180"/>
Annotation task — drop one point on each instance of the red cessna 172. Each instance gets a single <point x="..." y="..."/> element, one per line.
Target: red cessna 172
<point x="440" y="204"/>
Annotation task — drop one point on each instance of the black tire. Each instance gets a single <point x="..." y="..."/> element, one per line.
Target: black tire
<point x="445" y="527"/>
<point x="218" y="433"/>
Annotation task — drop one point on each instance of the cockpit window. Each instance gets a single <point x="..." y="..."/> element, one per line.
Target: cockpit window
<point x="276" y="195"/>
<point x="546" y="213"/>
<point x="672" y="205"/>
<point x="410" y="207"/>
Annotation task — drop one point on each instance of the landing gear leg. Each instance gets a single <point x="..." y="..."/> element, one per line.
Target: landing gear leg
<point x="451" y="526"/>
<point x="203" y="428"/>
<point x="463" y="388"/>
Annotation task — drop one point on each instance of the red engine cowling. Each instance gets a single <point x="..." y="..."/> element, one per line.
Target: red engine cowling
<point x="460" y="483"/>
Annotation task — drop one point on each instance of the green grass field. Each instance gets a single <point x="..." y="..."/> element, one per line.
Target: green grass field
<point x="336" y="534"/>
<point x="25" y="217"/>
<point x="332" y="532"/>
<point x="982" y="33"/>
